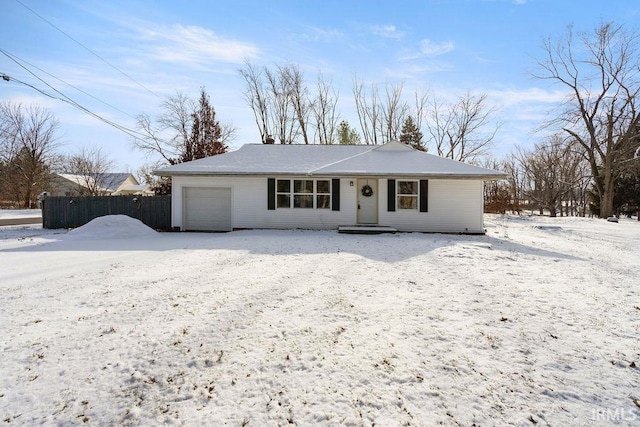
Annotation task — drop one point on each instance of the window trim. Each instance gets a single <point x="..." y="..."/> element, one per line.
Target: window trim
<point x="314" y="193"/>
<point x="415" y="196"/>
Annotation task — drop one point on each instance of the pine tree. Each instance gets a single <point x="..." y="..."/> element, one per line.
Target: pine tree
<point x="347" y="135"/>
<point x="411" y="135"/>
<point x="205" y="139"/>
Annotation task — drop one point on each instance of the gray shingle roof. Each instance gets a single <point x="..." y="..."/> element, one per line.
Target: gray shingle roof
<point x="391" y="159"/>
<point x="112" y="181"/>
<point x="107" y="181"/>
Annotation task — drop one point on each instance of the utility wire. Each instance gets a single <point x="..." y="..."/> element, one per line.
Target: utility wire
<point x="132" y="133"/>
<point x="88" y="50"/>
<point x="16" y="58"/>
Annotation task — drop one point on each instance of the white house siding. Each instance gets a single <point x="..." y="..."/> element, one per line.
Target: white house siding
<point x="249" y="204"/>
<point x="455" y="205"/>
<point x="130" y="181"/>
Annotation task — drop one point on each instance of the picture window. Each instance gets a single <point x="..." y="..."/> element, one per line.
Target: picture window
<point x="303" y="194"/>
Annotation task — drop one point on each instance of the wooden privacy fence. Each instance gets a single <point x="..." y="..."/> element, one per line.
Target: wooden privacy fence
<point x="71" y="212"/>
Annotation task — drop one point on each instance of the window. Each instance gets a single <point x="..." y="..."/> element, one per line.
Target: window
<point x="407" y="195"/>
<point x="283" y="193"/>
<point x="323" y="196"/>
<point x="303" y="193"/>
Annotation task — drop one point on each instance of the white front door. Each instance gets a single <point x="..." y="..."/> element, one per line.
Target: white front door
<point x="367" y="201"/>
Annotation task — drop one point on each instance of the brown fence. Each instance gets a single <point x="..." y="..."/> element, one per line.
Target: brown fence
<point x="71" y="212"/>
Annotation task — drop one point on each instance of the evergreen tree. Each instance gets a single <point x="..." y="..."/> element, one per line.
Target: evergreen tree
<point x="411" y="135"/>
<point x="626" y="199"/>
<point x="347" y="135"/>
<point x="206" y="133"/>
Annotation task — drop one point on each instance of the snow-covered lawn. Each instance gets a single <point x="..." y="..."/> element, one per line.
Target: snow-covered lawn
<point x="20" y="213"/>
<point x="536" y="323"/>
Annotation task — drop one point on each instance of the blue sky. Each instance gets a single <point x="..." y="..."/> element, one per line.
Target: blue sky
<point x="448" y="47"/>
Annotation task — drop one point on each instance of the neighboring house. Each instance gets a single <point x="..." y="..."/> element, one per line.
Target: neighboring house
<point x="326" y="187"/>
<point x="107" y="184"/>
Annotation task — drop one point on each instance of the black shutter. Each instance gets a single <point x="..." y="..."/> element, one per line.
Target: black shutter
<point x="424" y="195"/>
<point x="335" y="194"/>
<point x="271" y="194"/>
<point x="391" y="195"/>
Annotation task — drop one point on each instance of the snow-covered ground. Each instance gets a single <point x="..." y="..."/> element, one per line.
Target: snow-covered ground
<point x="536" y="323"/>
<point x="20" y="213"/>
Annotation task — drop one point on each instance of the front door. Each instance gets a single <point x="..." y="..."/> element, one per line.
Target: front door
<point x="367" y="201"/>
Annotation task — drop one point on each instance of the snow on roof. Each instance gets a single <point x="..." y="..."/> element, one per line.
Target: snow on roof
<point x="108" y="181"/>
<point x="112" y="181"/>
<point x="391" y="159"/>
<point x="268" y="159"/>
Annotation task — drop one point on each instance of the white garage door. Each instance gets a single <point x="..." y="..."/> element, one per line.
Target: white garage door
<point x="207" y="209"/>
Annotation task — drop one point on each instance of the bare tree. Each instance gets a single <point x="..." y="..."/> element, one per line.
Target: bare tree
<point x="498" y="194"/>
<point x="461" y="130"/>
<point x="421" y="102"/>
<point x="515" y="179"/>
<point x="257" y="96"/>
<point x="160" y="185"/>
<point x="91" y="165"/>
<point x="394" y="112"/>
<point x="324" y="110"/>
<point x="600" y="70"/>
<point x="551" y="173"/>
<point x="367" y="110"/>
<point x="281" y="106"/>
<point x="168" y="135"/>
<point x="27" y="147"/>
<point x="299" y="96"/>
<point x="380" y="119"/>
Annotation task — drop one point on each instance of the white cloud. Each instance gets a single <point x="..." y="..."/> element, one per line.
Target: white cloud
<point x="387" y="31"/>
<point x="510" y="97"/>
<point x="416" y="71"/>
<point x="430" y="48"/>
<point x="323" y="34"/>
<point x="195" y="45"/>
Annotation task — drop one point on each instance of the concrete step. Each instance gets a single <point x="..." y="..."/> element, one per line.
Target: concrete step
<point x="366" y="229"/>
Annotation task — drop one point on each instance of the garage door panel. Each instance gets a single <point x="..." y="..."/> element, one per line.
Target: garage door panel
<point x="207" y="209"/>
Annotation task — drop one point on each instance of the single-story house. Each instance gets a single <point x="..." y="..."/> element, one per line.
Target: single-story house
<point x="326" y="187"/>
<point x="104" y="184"/>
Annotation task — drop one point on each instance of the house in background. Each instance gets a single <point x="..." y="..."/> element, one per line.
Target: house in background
<point x="106" y="184"/>
<point x="326" y="187"/>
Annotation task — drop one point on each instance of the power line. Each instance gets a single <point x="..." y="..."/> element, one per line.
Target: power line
<point x="16" y="58"/>
<point x="64" y="98"/>
<point x="88" y="50"/>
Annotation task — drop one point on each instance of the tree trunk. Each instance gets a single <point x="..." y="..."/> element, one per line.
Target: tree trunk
<point x="606" y="199"/>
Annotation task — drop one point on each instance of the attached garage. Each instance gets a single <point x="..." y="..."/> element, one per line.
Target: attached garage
<point x="206" y="209"/>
